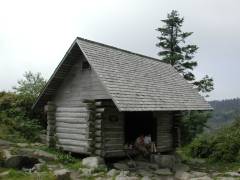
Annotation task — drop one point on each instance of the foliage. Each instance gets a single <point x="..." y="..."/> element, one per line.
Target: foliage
<point x="14" y="120"/>
<point x="31" y="85"/>
<point x="20" y="175"/>
<point x="65" y="158"/>
<point x="174" y="51"/>
<point x="62" y="157"/>
<point x="193" y="123"/>
<point x="223" y="145"/>
<point x="16" y="117"/>
<point x="225" y="111"/>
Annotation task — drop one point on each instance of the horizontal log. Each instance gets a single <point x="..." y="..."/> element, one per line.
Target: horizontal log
<point x="72" y="136"/>
<point x="76" y="115"/>
<point x="98" y="152"/>
<point x="71" y="109"/>
<point x="113" y="135"/>
<point x="71" y="130"/>
<point x="98" y="145"/>
<point x="72" y="120"/>
<point x="82" y="143"/>
<point x="114" y="140"/>
<point x="75" y="149"/>
<point x="113" y="146"/>
<point x="71" y="125"/>
<point x="114" y="153"/>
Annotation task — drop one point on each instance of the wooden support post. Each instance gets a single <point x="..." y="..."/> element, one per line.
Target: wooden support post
<point x="95" y="126"/>
<point x="50" y="109"/>
<point x="177" y="118"/>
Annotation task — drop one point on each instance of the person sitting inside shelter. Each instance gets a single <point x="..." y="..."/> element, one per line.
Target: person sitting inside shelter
<point x="140" y="145"/>
<point x="149" y="144"/>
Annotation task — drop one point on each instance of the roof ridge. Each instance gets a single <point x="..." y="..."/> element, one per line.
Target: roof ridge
<point x="127" y="51"/>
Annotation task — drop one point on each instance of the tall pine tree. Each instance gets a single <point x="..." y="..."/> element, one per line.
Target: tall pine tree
<point x="175" y="51"/>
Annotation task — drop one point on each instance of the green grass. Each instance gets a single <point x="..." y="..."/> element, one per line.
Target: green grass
<point x="74" y="165"/>
<point x="20" y="175"/>
<point x="206" y="165"/>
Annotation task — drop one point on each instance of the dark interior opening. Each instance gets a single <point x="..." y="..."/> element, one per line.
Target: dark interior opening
<point x="137" y="123"/>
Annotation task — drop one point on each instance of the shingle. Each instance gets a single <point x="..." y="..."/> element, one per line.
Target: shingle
<point x="140" y="83"/>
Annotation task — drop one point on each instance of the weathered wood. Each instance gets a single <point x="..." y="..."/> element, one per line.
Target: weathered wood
<point x="164" y="131"/>
<point x="71" y="130"/>
<point x="50" y="110"/>
<point x="72" y="136"/>
<point x="71" y="109"/>
<point x="72" y="120"/>
<point x="80" y="85"/>
<point x="68" y="114"/>
<point x="76" y="149"/>
<point x="71" y="125"/>
<point x="114" y="153"/>
<point x="82" y="143"/>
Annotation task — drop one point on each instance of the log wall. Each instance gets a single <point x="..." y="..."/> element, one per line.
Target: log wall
<point x="72" y="128"/>
<point x="164" y="131"/>
<point x="113" y="131"/>
<point x="72" y="115"/>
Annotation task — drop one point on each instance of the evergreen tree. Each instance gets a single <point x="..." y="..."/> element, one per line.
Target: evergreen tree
<point x="175" y="51"/>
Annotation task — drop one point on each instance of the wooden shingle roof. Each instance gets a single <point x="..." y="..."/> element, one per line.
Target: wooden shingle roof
<point x="137" y="82"/>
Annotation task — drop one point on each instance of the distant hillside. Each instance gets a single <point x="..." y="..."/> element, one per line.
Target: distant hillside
<point x="224" y="112"/>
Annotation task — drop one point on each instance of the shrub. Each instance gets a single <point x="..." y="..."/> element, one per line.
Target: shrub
<point x="223" y="145"/>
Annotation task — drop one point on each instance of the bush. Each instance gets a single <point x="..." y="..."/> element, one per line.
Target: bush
<point x="223" y="145"/>
<point x="15" y="121"/>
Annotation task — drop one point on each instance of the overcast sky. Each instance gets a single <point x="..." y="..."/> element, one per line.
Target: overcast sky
<point x="34" y="35"/>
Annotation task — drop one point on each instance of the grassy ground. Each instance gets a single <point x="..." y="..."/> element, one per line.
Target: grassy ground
<point x="207" y="165"/>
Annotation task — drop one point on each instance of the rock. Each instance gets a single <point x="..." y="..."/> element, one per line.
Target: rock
<point x="182" y="175"/>
<point x="198" y="161"/>
<point x="20" y="162"/>
<point x="163" y="172"/>
<point x="4" y="174"/>
<point x="234" y="174"/>
<point x="39" y="166"/>
<point x="196" y="174"/>
<point x="112" y="172"/>
<point x="53" y="167"/>
<point x="226" y="178"/>
<point x="131" y="164"/>
<point x="120" y="166"/>
<point x="92" y="162"/>
<point x="62" y="174"/>
<point x="146" y="165"/>
<point x="23" y="145"/>
<point x="103" y="178"/>
<point x="86" y="172"/>
<point x="202" y="178"/>
<point x="124" y="173"/>
<point x="164" y="161"/>
<point x="44" y="155"/>
<point x="143" y="172"/>
<point x="5" y="144"/>
<point x="133" y="178"/>
<point x="214" y="174"/>
<point x="119" y="177"/>
<point x="181" y="167"/>
<point x="145" y="178"/>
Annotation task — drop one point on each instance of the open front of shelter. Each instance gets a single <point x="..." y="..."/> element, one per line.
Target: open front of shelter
<point x="101" y="98"/>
